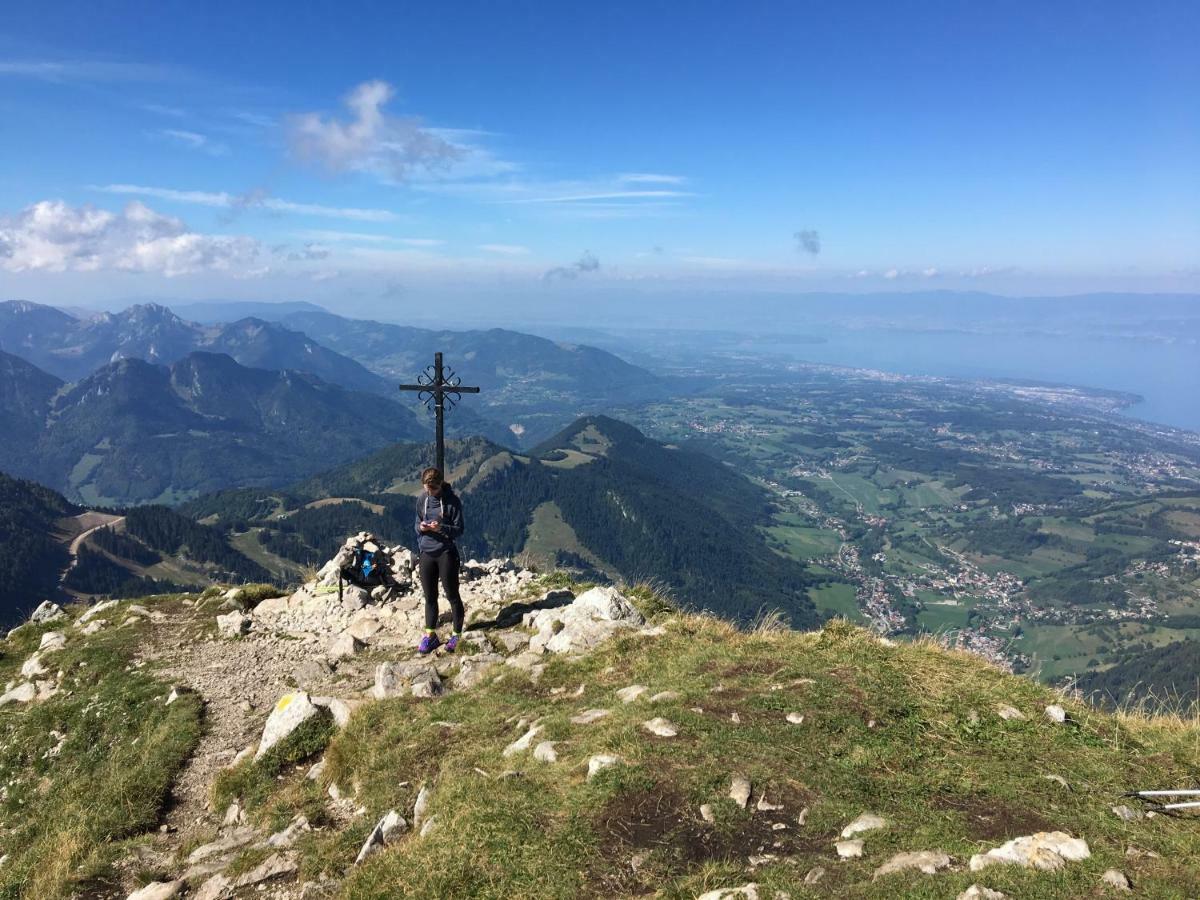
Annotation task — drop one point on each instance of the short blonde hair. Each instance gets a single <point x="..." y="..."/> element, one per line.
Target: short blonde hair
<point x="431" y="476"/>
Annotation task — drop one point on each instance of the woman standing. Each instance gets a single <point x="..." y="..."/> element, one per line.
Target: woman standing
<point x="439" y="522"/>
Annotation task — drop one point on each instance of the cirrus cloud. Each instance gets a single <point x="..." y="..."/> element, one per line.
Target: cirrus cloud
<point x="56" y="237"/>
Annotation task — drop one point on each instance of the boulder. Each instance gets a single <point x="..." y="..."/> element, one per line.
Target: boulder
<point x="51" y="641"/>
<point x="631" y="693"/>
<point x="33" y="667"/>
<point x="1115" y="878"/>
<point x="217" y="887"/>
<point x="739" y="790"/>
<point x="22" y="693"/>
<point x="1047" y="851"/>
<point x="47" y="612"/>
<point x="157" y="890"/>
<point x="593" y="617"/>
<point x="928" y="861"/>
<point x="287" y="837"/>
<point x="979" y="892"/>
<point x="421" y="806"/>
<point x="545" y="752"/>
<point x="865" y="822"/>
<point x="340" y="709"/>
<point x="384" y="832"/>
<point x="344" y="646"/>
<point x="292" y="711"/>
<point x="474" y="668"/>
<point x="1056" y="714"/>
<point x="427" y="684"/>
<point x="661" y="727"/>
<point x="234" y="624"/>
<point x="393" y="679"/>
<point x="310" y="673"/>
<point x="849" y="849"/>
<point x="273" y="866"/>
<point x="600" y="762"/>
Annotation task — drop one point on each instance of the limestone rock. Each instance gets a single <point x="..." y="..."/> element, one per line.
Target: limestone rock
<point x="523" y="743"/>
<point x="1115" y="878"/>
<point x="228" y="842"/>
<point x="51" y="641"/>
<point x="421" y="807"/>
<point x="393" y="679"/>
<point x="1056" y="714"/>
<point x="474" y="669"/>
<point x="158" y="890"/>
<point x="927" y="861"/>
<point x="795" y="718"/>
<point x="92" y="611"/>
<point x="1126" y="814"/>
<point x="661" y="727"/>
<point x="272" y="867"/>
<point x="979" y="892"/>
<point x="813" y="875"/>
<point x="22" y="693"/>
<point x="865" y="822"/>
<point x="588" y="716"/>
<point x="289" y="713"/>
<point x="739" y="790"/>
<point x="545" y="752"/>
<point x="217" y="887"/>
<point x="47" y="612"/>
<point x="287" y="837"/>
<point x="600" y="762"/>
<point x="631" y="693"/>
<point x="1010" y="713"/>
<point x="340" y="709"/>
<point x="1047" y="851"/>
<point x="384" y="832"/>
<point x="311" y="673"/>
<point x="234" y="624"/>
<point x="593" y="617"/>
<point x="706" y="813"/>
<point x="427" y="684"/>
<point x="849" y="849"/>
<point x="666" y="697"/>
<point x="745" y="892"/>
<point x="33" y="667"/>
<point x="344" y="646"/>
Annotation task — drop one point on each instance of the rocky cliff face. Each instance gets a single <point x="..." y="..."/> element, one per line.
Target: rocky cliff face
<point x="581" y="742"/>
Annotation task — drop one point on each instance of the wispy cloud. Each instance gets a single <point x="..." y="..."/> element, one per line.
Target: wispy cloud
<point x="605" y="195"/>
<point x="582" y="266"/>
<point x="53" y="236"/>
<point x="650" y="178"/>
<point x="370" y="140"/>
<point x="193" y="140"/>
<point x="251" y="200"/>
<point x="505" y="249"/>
<point x="76" y="70"/>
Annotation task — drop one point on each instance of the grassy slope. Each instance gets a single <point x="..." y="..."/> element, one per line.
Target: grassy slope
<point x="65" y="817"/>
<point x="887" y="729"/>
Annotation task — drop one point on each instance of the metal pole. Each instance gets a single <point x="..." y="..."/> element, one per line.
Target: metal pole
<point x="439" y="413"/>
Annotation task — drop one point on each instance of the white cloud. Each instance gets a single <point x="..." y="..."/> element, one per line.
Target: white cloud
<point x="891" y="274"/>
<point x="605" y="195"/>
<point x="370" y="140"/>
<point x="53" y="236"/>
<point x="505" y="249"/>
<point x="650" y="178"/>
<point x="253" y="199"/>
<point x="195" y="141"/>
<point x="420" y="242"/>
<point x="76" y="70"/>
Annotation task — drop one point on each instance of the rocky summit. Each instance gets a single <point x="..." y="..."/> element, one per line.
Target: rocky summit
<point x="583" y="741"/>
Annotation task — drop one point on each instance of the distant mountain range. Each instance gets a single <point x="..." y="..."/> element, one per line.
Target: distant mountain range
<point x="135" y="432"/>
<point x="599" y="498"/>
<point x="531" y="385"/>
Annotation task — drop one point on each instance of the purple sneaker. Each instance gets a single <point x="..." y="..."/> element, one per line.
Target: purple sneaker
<point x="428" y="644"/>
<point x="452" y="643"/>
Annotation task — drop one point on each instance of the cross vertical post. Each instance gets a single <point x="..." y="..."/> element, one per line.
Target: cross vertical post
<point x="434" y="386"/>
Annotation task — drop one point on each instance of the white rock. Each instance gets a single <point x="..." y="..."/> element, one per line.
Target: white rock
<point x="927" y="861"/>
<point x="47" y="612"/>
<point x="218" y="887"/>
<point x="545" y="752"/>
<point x="764" y="806"/>
<point x="473" y="670"/>
<point x="22" y="693"/>
<point x="421" y="806"/>
<point x="233" y="815"/>
<point x="94" y="626"/>
<point x="1115" y="878"/>
<point x="51" y="641"/>
<point x="232" y="625"/>
<point x="706" y="813"/>
<point x="288" y="835"/>
<point x="849" y="849"/>
<point x="1126" y="814"/>
<point x="289" y="713"/>
<point x="865" y="822"/>
<point x="1045" y="850"/>
<point x="979" y="892"/>
<point x="33" y="667"/>
<point x="340" y="709"/>
<point x="739" y="790"/>
<point x="813" y="875"/>
<point x="317" y="770"/>
<point x="600" y="762"/>
<point x="1056" y="714"/>
<point x="587" y="717"/>
<point x="158" y="890"/>
<point x="665" y="697"/>
<point x="795" y="718"/>
<point x="1010" y="712"/>
<point x="344" y="646"/>
<point x="745" y="892"/>
<point x="272" y="867"/>
<point x="428" y="826"/>
<point x="427" y="684"/>
<point x="92" y="611"/>
<point x="631" y="693"/>
<point x="384" y="832"/>
<point x="661" y="727"/>
<point x="523" y="743"/>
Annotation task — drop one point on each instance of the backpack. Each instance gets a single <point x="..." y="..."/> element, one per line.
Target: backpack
<point x="367" y="567"/>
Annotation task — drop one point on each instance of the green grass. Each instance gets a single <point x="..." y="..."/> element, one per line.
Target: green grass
<point x="909" y="732"/>
<point x="837" y="599"/>
<point x="65" y="817"/>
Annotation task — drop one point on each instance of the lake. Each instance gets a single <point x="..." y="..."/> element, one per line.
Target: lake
<point x="1166" y="375"/>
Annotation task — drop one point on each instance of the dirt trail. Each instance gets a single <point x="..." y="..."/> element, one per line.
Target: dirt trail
<point x="90" y="522"/>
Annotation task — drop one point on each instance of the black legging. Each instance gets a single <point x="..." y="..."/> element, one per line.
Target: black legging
<point x="444" y="566"/>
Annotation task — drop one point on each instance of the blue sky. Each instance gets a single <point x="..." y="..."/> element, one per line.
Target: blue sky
<point x="360" y="152"/>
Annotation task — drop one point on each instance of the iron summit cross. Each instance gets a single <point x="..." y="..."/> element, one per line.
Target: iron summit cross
<point x="434" y="386"/>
